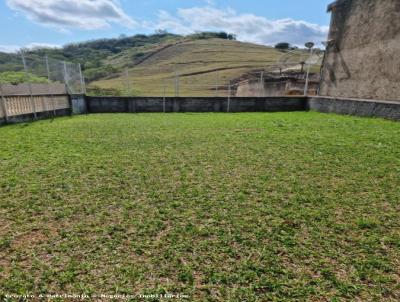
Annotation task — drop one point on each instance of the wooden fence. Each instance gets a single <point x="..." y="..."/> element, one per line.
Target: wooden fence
<point x="16" y="105"/>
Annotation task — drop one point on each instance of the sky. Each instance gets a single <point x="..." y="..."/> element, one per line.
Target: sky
<point x="53" y="23"/>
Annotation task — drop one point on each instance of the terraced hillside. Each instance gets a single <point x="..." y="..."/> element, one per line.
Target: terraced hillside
<point x="205" y="67"/>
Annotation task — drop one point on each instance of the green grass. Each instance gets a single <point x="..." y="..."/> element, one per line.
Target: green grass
<point x="233" y="58"/>
<point x="218" y="207"/>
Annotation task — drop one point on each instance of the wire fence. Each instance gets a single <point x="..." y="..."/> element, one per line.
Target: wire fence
<point x="288" y="78"/>
<point x="42" y="75"/>
<point x="39" y="86"/>
<point x="294" y="72"/>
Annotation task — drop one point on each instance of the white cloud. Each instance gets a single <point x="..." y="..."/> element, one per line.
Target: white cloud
<point x="247" y="27"/>
<point x="42" y="45"/>
<point x="83" y="14"/>
<point x="95" y="14"/>
<point x="9" y="48"/>
<point x="16" y="48"/>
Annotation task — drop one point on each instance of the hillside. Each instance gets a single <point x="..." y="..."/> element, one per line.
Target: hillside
<point x="91" y="54"/>
<point x="147" y="65"/>
<point x="205" y="67"/>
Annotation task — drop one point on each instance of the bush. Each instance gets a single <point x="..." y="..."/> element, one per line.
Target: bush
<point x="212" y="35"/>
<point x="93" y="74"/>
<point x="97" y="91"/>
<point x="17" y="77"/>
<point x="282" y="45"/>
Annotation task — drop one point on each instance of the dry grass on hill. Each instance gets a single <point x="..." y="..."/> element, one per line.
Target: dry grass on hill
<point x="199" y="63"/>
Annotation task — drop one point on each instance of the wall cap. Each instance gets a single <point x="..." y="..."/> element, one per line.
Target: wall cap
<point x="335" y="4"/>
<point x="361" y="100"/>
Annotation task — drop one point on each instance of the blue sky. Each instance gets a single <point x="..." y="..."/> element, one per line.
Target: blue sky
<point x="58" y="22"/>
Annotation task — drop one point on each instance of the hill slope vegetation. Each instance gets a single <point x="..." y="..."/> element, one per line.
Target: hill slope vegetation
<point x="149" y="65"/>
<point x="204" y="67"/>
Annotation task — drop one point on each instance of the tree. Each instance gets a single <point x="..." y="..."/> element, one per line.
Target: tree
<point x="222" y="35"/>
<point x="282" y="45"/>
<point x="161" y="32"/>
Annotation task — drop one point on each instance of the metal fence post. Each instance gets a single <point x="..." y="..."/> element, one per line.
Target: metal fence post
<point x="127" y="81"/>
<point x="308" y="72"/>
<point x="177" y="84"/>
<point x="229" y="97"/>
<point x="3" y="103"/>
<point x="29" y="85"/>
<point x="83" y="85"/>
<point x="129" y="86"/>
<point x="164" y="109"/>
<point x="49" y="82"/>
<point x="66" y="77"/>
<point x="216" y="84"/>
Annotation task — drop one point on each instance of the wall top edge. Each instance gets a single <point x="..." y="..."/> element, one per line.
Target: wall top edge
<point x="335" y="4"/>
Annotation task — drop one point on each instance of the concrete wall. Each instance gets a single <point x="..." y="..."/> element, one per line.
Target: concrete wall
<point x="194" y="104"/>
<point x="256" y="89"/>
<point x="357" y="107"/>
<point x="363" y="55"/>
<point x="275" y="88"/>
<point x="30" y="117"/>
<point x="297" y="88"/>
<point x="78" y="104"/>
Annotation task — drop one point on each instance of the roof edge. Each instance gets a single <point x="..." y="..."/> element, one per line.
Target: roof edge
<point x="335" y="4"/>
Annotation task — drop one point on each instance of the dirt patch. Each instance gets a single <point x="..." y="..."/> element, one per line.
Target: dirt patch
<point x="29" y="239"/>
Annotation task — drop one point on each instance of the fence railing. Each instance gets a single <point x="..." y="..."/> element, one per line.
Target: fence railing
<point x="39" y="86"/>
<point x="17" y="105"/>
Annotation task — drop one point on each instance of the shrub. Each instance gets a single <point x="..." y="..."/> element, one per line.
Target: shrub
<point x="282" y="45"/>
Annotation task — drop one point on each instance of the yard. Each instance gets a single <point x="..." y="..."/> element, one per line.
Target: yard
<point x="214" y="207"/>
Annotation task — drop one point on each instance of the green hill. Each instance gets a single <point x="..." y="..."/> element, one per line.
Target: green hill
<point x="147" y="65"/>
<point x="91" y="54"/>
<point x="205" y="67"/>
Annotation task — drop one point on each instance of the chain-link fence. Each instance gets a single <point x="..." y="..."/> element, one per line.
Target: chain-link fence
<point x="38" y="86"/>
<point x="287" y="76"/>
<point x="39" y="74"/>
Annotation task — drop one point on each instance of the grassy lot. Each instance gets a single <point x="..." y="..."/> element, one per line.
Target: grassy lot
<point x="218" y="207"/>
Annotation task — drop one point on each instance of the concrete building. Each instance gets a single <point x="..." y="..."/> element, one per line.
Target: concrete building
<point x="277" y="85"/>
<point x="363" y="50"/>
